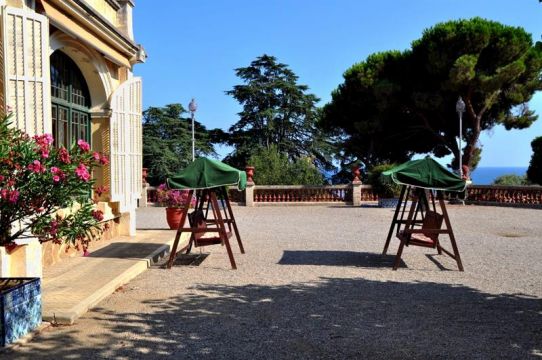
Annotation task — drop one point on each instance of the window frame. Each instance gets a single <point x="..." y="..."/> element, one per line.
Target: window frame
<point x="69" y="75"/>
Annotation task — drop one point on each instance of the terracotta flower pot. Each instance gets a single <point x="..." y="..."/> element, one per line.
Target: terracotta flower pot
<point x="173" y="217"/>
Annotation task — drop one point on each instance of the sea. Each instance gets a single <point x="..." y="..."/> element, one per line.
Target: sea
<point x="486" y="175"/>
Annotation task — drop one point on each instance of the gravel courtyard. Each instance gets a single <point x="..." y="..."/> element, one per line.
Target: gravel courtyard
<point x="313" y="285"/>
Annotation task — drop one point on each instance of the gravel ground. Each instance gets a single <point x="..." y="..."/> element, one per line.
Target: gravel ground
<point x="313" y="285"/>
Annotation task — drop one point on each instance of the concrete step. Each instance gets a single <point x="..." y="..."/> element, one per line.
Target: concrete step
<point x="71" y="288"/>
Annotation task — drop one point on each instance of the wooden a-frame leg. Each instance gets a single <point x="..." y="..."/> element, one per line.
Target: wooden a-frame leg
<point x="222" y="228"/>
<point x="399" y="253"/>
<point x="179" y="233"/>
<point x="451" y="234"/>
<point x="394" y="221"/>
<point x="234" y="223"/>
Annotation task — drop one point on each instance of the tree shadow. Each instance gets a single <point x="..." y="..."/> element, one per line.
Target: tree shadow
<point x="332" y="318"/>
<point x="337" y="258"/>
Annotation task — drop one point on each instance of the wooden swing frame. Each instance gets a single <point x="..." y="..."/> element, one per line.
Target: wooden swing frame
<point x="200" y="224"/>
<point x="418" y="228"/>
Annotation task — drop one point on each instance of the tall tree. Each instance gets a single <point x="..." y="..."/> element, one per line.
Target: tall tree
<point x="167" y="141"/>
<point x="276" y="111"/>
<point x="409" y="98"/>
<point x="534" y="172"/>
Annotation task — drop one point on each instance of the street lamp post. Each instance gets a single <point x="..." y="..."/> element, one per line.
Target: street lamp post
<point x="460" y="108"/>
<point x="193" y="107"/>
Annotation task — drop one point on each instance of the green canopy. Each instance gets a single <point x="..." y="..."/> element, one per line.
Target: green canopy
<point x="205" y="173"/>
<point x="426" y="173"/>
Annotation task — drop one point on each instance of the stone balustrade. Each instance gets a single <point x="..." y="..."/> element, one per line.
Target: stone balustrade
<point x="301" y="193"/>
<point x="356" y="193"/>
<point x="513" y="195"/>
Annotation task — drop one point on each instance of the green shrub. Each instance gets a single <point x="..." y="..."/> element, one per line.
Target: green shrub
<point x="511" y="180"/>
<point x="383" y="186"/>
<point x="274" y="168"/>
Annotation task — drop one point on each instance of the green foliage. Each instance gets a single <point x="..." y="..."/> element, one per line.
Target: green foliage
<point x="274" y="168"/>
<point x="167" y="141"/>
<point x="395" y="104"/>
<point x="511" y="180"/>
<point x="44" y="190"/>
<point x="276" y="111"/>
<point x="382" y="185"/>
<point x="534" y="172"/>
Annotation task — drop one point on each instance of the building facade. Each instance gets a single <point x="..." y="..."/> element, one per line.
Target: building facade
<point x="66" y="69"/>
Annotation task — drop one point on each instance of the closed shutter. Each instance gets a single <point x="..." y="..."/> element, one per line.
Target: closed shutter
<point x="126" y="145"/>
<point x="26" y="69"/>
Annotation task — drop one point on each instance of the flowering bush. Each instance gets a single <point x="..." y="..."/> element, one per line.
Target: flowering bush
<point x="45" y="191"/>
<point x="173" y="198"/>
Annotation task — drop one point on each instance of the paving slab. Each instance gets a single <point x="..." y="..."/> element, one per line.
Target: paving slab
<point x="75" y="285"/>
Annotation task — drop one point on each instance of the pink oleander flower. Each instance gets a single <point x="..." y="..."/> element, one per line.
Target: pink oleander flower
<point x="99" y="190"/>
<point x="96" y="155"/>
<point x="13" y="196"/>
<point x="36" y="167"/>
<point x="53" y="227"/>
<point x="98" y="215"/>
<point x="64" y="156"/>
<point x="83" y="145"/>
<point x="104" y="160"/>
<point x="82" y="172"/>
<point x="43" y="140"/>
<point x="56" y="178"/>
<point x="55" y="170"/>
<point x="44" y="154"/>
<point x="1" y="178"/>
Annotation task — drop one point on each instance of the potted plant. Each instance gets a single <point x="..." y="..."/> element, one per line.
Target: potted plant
<point x="175" y="203"/>
<point x="45" y="194"/>
<point x="386" y="190"/>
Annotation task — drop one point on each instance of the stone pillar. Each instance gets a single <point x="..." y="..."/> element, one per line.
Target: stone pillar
<point x="124" y="15"/>
<point x="249" y="191"/>
<point x="356" y="186"/>
<point x="143" y="201"/>
<point x="24" y="260"/>
<point x="127" y="224"/>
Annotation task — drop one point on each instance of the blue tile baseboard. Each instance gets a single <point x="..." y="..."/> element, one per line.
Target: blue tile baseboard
<point x="20" y="307"/>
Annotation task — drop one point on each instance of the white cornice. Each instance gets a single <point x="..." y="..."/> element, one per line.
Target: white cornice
<point x="93" y="21"/>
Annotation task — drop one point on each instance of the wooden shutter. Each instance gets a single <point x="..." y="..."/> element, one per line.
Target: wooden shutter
<point x="126" y="144"/>
<point x="26" y="69"/>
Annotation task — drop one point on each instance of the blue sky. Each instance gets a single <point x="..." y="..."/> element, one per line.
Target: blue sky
<point x="194" y="47"/>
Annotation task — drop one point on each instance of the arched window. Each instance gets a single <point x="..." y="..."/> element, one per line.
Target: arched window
<point x="70" y="101"/>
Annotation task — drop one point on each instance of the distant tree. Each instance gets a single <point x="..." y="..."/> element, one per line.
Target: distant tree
<point x="395" y="104"/>
<point x="274" y="168"/>
<point x="167" y="141"/>
<point x="511" y="180"/>
<point x="534" y="172"/>
<point x="276" y="111"/>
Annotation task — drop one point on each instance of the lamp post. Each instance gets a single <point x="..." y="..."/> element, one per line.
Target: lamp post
<point x="193" y="107"/>
<point x="460" y="108"/>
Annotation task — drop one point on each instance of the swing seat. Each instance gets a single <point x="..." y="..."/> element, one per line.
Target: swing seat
<point x="427" y="235"/>
<point x="197" y="220"/>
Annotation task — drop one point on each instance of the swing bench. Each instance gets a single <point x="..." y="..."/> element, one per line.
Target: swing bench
<point x="423" y="182"/>
<point x="207" y="180"/>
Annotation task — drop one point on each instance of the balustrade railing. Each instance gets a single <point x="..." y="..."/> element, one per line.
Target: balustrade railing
<point x="520" y="195"/>
<point x="301" y="193"/>
<point x="477" y="194"/>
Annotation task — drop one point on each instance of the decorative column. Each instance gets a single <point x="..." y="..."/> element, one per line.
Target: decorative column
<point x="143" y="201"/>
<point x="249" y="191"/>
<point x="356" y="186"/>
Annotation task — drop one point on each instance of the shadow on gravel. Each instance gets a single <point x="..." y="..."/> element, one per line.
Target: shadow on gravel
<point x="126" y="250"/>
<point x="332" y="318"/>
<point x="337" y="258"/>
